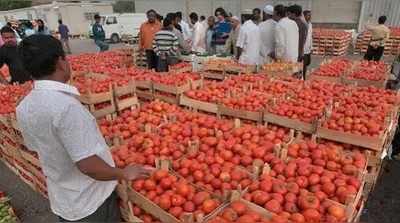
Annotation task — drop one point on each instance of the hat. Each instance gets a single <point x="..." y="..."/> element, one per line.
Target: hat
<point x="269" y="10"/>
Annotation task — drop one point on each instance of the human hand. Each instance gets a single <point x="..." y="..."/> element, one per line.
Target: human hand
<point x="134" y="172"/>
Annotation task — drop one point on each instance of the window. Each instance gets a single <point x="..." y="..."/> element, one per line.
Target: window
<point x="111" y="20"/>
<point x="89" y="16"/>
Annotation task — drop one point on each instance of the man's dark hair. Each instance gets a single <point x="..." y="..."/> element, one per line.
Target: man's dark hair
<point x="167" y="22"/>
<point x="151" y="11"/>
<point x="7" y="29"/>
<point x="306" y="12"/>
<point x="295" y="9"/>
<point x="29" y="25"/>
<point x="382" y="19"/>
<point x="39" y="54"/>
<point x="179" y="15"/>
<point x="280" y="10"/>
<point x="202" y="18"/>
<point x="257" y="10"/>
<point x="172" y="16"/>
<point x="60" y="21"/>
<point x="194" y="16"/>
<point x="159" y="17"/>
<point x="97" y="16"/>
<point x="221" y="11"/>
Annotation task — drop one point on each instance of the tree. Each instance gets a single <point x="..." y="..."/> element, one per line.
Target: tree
<point x="122" y="6"/>
<point x="6" y="5"/>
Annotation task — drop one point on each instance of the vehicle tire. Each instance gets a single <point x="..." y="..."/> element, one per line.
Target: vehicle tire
<point x="115" y="38"/>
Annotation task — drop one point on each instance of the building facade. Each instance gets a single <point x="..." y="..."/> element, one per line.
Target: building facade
<point x="349" y="14"/>
<point x="77" y="16"/>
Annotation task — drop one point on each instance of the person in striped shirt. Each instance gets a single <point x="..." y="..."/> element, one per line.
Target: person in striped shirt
<point x="166" y="46"/>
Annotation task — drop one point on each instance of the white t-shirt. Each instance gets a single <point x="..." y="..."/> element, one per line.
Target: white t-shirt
<point x="287" y="40"/>
<point x="309" y="44"/>
<point x="199" y="37"/>
<point x="267" y="30"/>
<point x="56" y="125"/>
<point x="186" y="31"/>
<point x="250" y="41"/>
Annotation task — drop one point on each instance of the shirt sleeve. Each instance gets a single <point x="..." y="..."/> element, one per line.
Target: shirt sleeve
<point x="241" y="38"/>
<point x="79" y="134"/>
<point x="279" y="42"/>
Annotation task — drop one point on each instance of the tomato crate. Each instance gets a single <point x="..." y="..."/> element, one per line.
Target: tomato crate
<point x="26" y="176"/>
<point x="363" y="82"/>
<point x="125" y="96"/>
<point x="127" y="212"/>
<point x="144" y="89"/>
<point x="236" y="196"/>
<point x="332" y="79"/>
<point x="289" y="123"/>
<point x="198" y="105"/>
<point x="214" y="75"/>
<point x="30" y="156"/>
<point x="241" y="114"/>
<point x="100" y="104"/>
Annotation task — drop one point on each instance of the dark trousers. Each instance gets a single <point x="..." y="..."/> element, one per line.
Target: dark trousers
<point x="306" y="63"/>
<point x="163" y="63"/>
<point x="151" y="59"/>
<point x="374" y="53"/>
<point x="108" y="212"/>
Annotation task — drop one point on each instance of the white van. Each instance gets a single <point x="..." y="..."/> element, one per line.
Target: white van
<point x="117" y="26"/>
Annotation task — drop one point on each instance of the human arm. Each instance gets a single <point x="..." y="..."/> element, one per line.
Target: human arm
<point x="98" y="169"/>
<point x="175" y="47"/>
<point x="141" y="36"/>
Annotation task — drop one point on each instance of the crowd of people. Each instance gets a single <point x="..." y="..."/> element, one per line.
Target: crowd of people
<point x="258" y="37"/>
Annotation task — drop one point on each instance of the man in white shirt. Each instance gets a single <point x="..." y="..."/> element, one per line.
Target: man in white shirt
<point x="199" y="34"/>
<point x="309" y="43"/>
<point x="80" y="173"/>
<point x="186" y="31"/>
<point x="267" y="30"/>
<point x="286" y="36"/>
<point x="249" y="42"/>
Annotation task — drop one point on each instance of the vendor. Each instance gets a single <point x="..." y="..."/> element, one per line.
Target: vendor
<point x="80" y="173"/>
<point x="9" y="56"/>
<point x="379" y="35"/>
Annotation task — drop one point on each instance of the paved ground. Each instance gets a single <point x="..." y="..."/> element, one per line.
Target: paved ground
<point x="382" y="207"/>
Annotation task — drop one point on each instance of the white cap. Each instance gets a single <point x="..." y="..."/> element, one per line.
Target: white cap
<point x="235" y="18"/>
<point x="269" y="10"/>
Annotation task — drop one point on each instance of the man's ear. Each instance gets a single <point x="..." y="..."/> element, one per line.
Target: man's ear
<point x="61" y="64"/>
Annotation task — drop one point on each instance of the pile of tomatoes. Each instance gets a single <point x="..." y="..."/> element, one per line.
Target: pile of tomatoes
<point x="370" y="70"/>
<point x="10" y="95"/>
<point x="335" y="68"/>
<point x="210" y="157"/>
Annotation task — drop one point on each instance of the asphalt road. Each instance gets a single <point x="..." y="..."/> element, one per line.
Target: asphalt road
<point x="79" y="46"/>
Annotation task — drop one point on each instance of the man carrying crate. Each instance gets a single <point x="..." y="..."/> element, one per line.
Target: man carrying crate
<point x="80" y="173"/>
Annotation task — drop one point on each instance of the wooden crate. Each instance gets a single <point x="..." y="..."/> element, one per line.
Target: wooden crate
<point x="289" y="123"/>
<point x="214" y="75"/>
<point x="91" y="100"/>
<point x="241" y="114"/>
<point x="363" y="82"/>
<point x="144" y="89"/>
<point x="127" y="213"/>
<point x="353" y="139"/>
<point x="125" y="96"/>
<point x="326" y="78"/>
<point x="198" y="105"/>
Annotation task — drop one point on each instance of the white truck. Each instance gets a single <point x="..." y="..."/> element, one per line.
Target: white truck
<point x="118" y="26"/>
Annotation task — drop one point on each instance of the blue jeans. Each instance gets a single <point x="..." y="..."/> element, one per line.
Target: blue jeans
<point x="102" y="45"/>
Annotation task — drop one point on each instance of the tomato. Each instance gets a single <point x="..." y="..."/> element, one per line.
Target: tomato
<point x="308" y="202"/>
